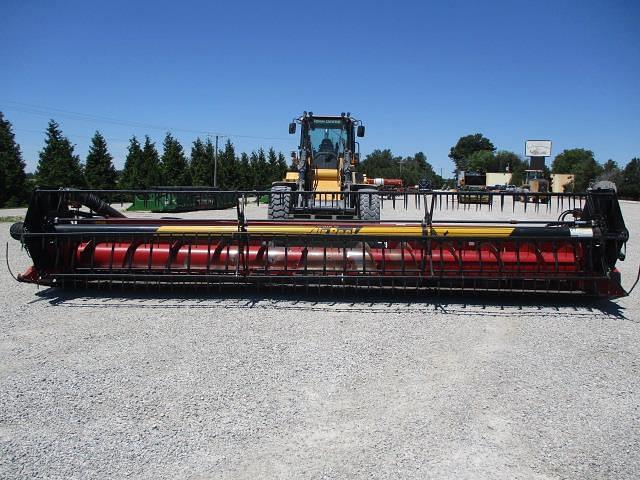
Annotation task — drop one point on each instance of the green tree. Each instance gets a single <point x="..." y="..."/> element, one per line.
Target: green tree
<point x="506" y="161"/>
<point x="466" y="146"/>
<point x="129" y="176"/>
<point x="246" y="179"/>
<point x="13" y="180"/>
<point x="228" y="175"/>
<point x="630" y="182"/>
<point x="149" y="172"/>
<point x="412" y="169"/>
<point x="175" y="168"/>
<point x="611" y="172"/>
<point x="99" y="170"/>
<point x="260" y="168"/>
<point x="415" y="168"/>
<point x="282" y="165"/>
<point x="275" y="168"/>
<point x="381" y="164"/>
<point x="201" y="167"/>
<point x="58" y="166"/>
<point x="579" y="162"/>
<point x="518" y="173"/>
<point x="482" y="161"/>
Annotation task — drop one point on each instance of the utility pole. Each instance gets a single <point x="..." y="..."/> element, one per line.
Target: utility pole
<point x="215" y="164"/>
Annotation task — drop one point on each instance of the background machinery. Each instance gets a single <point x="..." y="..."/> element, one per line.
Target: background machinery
<point x="535" y="182"/>
<point x="471" y="187"/>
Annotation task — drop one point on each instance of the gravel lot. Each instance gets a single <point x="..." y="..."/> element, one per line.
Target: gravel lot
<point x="246" y="385"/>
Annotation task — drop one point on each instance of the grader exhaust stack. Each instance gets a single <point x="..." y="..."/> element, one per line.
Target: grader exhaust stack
<point x="76" y="238"/>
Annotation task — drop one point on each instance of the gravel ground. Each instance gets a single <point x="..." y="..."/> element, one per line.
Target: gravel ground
<point x="246" y="385"/>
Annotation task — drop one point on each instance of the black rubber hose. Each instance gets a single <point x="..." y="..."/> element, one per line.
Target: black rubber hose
<point x="96" y="204"/>
<point x="16" y="230"/>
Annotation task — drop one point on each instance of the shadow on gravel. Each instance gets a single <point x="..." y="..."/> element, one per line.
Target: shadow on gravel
<point x="338" y="300"/>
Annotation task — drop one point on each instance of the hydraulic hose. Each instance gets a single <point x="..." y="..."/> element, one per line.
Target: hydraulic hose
<point x="96" y="204"/>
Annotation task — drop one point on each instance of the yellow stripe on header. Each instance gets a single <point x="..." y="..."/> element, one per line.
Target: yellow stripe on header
<point x="379" y="230"/>
<point x="197" y="229"/>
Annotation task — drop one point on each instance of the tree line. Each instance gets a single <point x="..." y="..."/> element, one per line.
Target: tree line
<point x="144" y="167"/>
<point x="476" y="153"/>
<point x="411" y="169"/>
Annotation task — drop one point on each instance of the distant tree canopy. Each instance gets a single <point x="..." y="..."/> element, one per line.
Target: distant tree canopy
<point x="381" y="164"/>
<point x="630" y="182"/>
<point x="579" y="162"/>
<point x="482" y="161"/>
<point x="129" y="175"/>
<point x="58" y="165"/>
<point x="13" y="180"/>
<point x="149" y="172"/>
<point x="277" y="164"/>
<point x="175" y="168"/>
<point x="99" y="170"/>
<point x="412" y="169"/>
<point x="611" y="172"/>
<point x="510" y="162"/>
<point x="260" y="169"/>
<point x="247" y="172"/>
<point x="229" y="177"/>
<point x="466" y="146"/>
<point x="201" y="163"/>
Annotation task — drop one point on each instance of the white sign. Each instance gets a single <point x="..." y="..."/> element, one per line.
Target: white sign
<point x="537" y="148"/>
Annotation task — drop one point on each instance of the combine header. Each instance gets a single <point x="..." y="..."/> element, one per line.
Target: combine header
<point x="77" y="238"/>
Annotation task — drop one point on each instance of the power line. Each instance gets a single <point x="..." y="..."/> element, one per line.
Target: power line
<point x="73" y="135"/>
<point x="52" y="111"/>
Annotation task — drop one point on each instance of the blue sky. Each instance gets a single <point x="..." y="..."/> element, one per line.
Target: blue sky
<point x="420" y="74"/>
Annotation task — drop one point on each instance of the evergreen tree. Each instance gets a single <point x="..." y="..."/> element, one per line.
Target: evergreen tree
<point x="99" y="170"/>
<point x="175" y="168"/>
<point x="260" y="168"/>
<point x="274" y="166"/>
<point x="201" y="165"/>
<point x="149" y="173"/>
<point x="128" y="178"/>
<point x="228" y="174"/>
<point x="58" y="166"/>
<point x="282" y="165"/>
<point x="13" y="180"/>
<point x="246" y="177"/>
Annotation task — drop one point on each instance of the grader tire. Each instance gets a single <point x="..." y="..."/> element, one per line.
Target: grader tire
<point x="279" y="203"/>
<point x="369" y="205"/>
